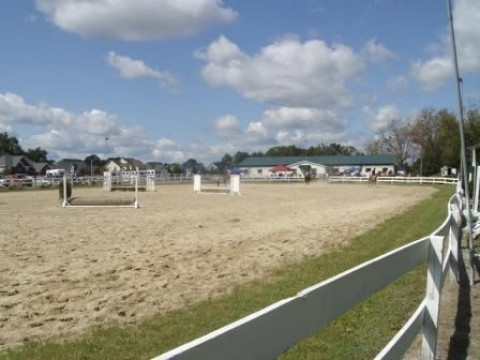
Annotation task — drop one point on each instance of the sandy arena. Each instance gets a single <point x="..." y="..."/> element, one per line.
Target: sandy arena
<point x="63" y="270"/>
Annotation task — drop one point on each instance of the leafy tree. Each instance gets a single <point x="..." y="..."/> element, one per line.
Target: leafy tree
<point x="9" y="145"/>
<point x="239" y="157"/>
<point x="472" y="127"/>
<point x="436" y="134"/>
<point x="174" y="168"/>
<point x="332" y="149"/>
<point x="377" y="147"/>
<point x="395" y="138"/>
<point x="449" y="133"/>
<point x="257" y="154"/>
<point x="37" y="155"/>
<point x="227" y="159"/>
<point x="291" y="150"/>
<point x="225" y="163"/>
<point x="93" y="159"/>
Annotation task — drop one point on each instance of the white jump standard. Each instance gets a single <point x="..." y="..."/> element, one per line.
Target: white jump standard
<point x="145" y="179"/>
<point x="233" y="189"/>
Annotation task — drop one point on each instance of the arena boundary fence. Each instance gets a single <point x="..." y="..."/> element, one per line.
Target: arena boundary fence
<point x="395" y="180"/>
<point x="269" y="332"/>
<point x="233" y="187"/>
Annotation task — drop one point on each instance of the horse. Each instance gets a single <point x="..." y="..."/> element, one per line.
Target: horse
<point x="307" y="179"/>
<point x="373" y="179"/>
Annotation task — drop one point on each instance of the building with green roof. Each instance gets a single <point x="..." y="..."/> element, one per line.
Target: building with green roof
<point x="318" y="166"/>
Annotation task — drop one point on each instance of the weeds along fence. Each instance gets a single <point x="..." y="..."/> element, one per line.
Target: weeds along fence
<point x="395" y="180"/>
<point x="268" y="333"/>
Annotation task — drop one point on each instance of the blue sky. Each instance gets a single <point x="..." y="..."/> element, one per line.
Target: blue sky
<point x="169" y="80"/>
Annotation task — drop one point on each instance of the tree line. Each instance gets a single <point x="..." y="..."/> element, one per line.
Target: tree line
<point x="10" y="145"/>
<point x="428" y="141"/>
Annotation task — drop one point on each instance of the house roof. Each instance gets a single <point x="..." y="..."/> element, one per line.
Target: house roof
<point x="23" y="161"/>
<point x="127" y="163"/>
<point x="329" y="160"/>
<point x="40" y="166"/>
<point x="14" y="160"/>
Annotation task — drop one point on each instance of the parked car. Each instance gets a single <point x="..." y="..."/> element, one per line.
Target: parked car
<point x="19" y="180"/>
<point x="3" y="182"/>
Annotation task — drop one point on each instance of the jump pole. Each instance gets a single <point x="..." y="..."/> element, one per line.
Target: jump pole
<point x="65" y="203"/>
<point x="197" y="184"/>
<point x="234" y="184"/>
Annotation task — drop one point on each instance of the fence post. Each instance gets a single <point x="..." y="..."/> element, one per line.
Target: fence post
<point x="107" y="181"/>
<point x="434" y="280"/>
<point x="454" y="237"/>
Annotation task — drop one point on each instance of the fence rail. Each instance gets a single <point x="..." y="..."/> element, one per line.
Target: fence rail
<point x="271" y="331"/>
<point x="47" y="182"/>
<point x="396" y="179"/>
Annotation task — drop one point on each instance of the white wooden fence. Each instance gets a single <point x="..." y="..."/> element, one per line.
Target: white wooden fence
<point x="396" y="179"/>
<point x="269" y="332"/>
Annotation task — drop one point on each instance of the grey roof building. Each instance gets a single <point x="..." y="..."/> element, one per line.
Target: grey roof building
<point x="328" y="160"/>
<point x="318" y="166"/>
<point x="20" y="164"/>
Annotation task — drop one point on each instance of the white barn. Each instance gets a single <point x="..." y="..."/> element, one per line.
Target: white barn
<point x="319" y="166"/>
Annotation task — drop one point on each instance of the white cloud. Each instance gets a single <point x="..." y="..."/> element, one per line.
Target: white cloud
<point x="303" y="118"/>
<point x="167" y="151"/>
<point x="226" y="126"/>
<point x="286" y="72"/>
<point x="286" y="125"/>
<point x="433" y="73"/>
<point x="136" y="69"/>
<point x="376" y="52"/>
<point x="382" y="117"/>
<point x="63" y="132"/>
<point x="5" y="128"/>
<point x="165" y="143"/>
<point x="397" y="83"/>
<point x="13" y="109"/>
<point x="136" y="20"/>
<point x="169" y="156"/>
<point x="257" y="128"/>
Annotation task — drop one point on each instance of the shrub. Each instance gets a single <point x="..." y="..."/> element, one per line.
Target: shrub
<point x="60" y="190"/>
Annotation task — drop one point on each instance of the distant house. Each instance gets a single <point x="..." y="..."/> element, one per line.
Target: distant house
<point x="124" y="164"/>
<point x="320" y="166"/>
<point x="191" y="166"/>
<point x="41" y="168"/>
<point x="72" y="166"/>
<point x="161" y="170"/>
<point x="20" y="164"/>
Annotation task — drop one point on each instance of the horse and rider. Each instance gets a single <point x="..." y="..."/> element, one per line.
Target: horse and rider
<point x="373" y="178"/>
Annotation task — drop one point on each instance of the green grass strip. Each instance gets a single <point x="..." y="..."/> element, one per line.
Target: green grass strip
<point x="358" y="334"/>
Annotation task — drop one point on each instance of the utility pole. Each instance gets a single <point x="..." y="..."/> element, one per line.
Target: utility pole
<point x="458" y="81"/>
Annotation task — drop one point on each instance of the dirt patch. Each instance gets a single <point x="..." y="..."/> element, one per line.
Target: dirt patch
<point x="64" y="270"/>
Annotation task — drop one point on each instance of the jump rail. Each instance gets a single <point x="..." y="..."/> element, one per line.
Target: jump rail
<point x="269" y="332"/>
<point x="232" y="189"/>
